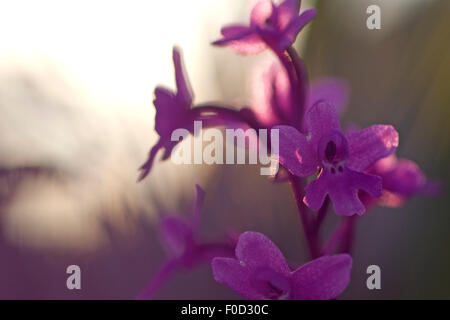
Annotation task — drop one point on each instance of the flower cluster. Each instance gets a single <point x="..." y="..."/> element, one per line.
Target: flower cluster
<point x="354" y="170"/>
<point x="342" y="159"/>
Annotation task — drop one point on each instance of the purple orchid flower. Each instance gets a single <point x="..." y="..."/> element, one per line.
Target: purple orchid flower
<point x="260" y="271"/>
<point x="271" y="25"/>
<point x="173" y="111"/>
<point x="402" y="179"/>
<point x="180" y="236"/>
<point x="272" y="101"/>
<point x="342" y="159"/>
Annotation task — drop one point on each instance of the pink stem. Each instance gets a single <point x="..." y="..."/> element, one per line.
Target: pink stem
<point x="201" y="253"/>
<point x="297" y="186"/>
<point x="342" y="236"/>
<point x="321" y="214"/>
<point x="161" y="276"/>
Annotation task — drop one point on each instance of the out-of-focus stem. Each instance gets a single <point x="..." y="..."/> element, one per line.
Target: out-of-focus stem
<point x="342" y="237"/>
<point x="297" y="185"/>
<point x="145" y="168"/>
<point x="201" y="253"/>
<point x="335" y="238"/>
<point x="321" y="214"/>
<point x="161" y="276"/>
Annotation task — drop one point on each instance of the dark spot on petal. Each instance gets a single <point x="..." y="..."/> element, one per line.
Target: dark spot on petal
<point x="340" y="169"/>
<point x="330" y="151"/>
<point x="333" y="170"/>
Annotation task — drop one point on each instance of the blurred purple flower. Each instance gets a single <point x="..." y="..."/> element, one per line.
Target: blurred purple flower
<point x="260" y="271"/>
<point x="178" y="234"/>
<point x="341" y="158"/>
<point x="272" y="102"/>
<point x="271" y="25"/>
<point x="173" y="111"/>
<point x="186" y="249"/>
<point x="402" y="179"/>
<point x="181" y="237"/>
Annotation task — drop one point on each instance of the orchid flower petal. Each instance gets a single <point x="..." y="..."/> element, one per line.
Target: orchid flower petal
<point x="324" y="278"/>
<point x="343" y="191"/>
<point x="369" y="145"/>
<point x="295" y="153"/>
<point x="184" y="89"/>
<point x="286" y="12"/>
<point x="296" y="25"/>
<point x="261" y="12"/>
<point x="176" y="234"/>
<point x="333" y="90"/>
<point x="256" y="251"/>
<point x="166" y="106"/>
<point x="320" y="119"/>
<point x="242" y="39"/>
<point x="231" y="273"/>
<point x="315" y="192"/>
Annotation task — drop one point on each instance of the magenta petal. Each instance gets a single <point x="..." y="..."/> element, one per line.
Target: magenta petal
<point x="166" y="108"/>
<point x="257" y="251"/>
<point x="286" y="12"/>
<point x="343" y="191"/>
<point x="242" y="39"/>
<point x="316" y="191"/>
<point x="231" y="273"/>
<point x="271" y="95"/>
<point x="234" y="32"/>
<point x="184" y="90"/>
<point x="176" y="234"/>
<point x="320" y="119"/>
<point x="406" y="178"/>
<point x="324" y="278"/>
<point x="295" y="153"/>
<point x="333" y="90"/>
<point x="369" y="145"/>
<point x="261" y="12"/>
<point x="298" y="23"/>
<point x="147" y="166"/>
